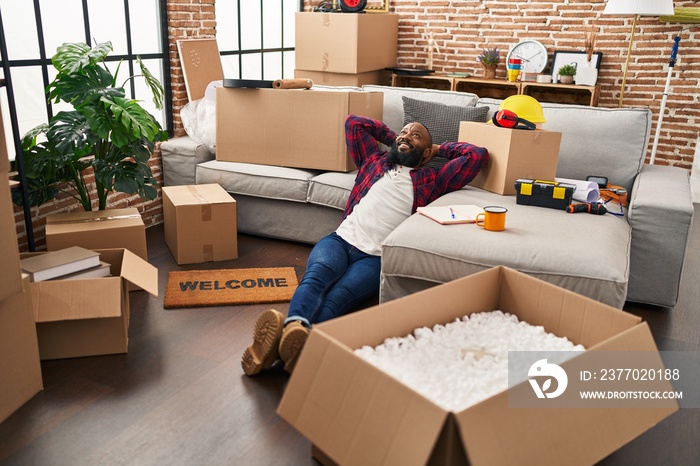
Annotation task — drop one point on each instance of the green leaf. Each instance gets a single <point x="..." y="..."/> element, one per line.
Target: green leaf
<point x="70" y="133"/>
<point x="153" y="84"/>
<point x="71" y="58"/>
<point x="29" y="139"/>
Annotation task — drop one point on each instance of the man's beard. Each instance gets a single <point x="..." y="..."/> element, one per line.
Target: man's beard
<point x="408" y="159"/>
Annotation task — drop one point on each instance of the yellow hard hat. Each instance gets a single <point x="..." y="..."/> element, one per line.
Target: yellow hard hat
<point x="525" y="107"/>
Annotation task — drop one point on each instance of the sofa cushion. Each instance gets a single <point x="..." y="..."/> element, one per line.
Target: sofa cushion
<point x="180" y="158"/>
<point x="393" y="103"/>
<point x="560" y="248"/>
<point x="288" y="184"/>
<point x="595" y="137"/>
<point x="441" y="120"/>
<point x="331" y="189"/>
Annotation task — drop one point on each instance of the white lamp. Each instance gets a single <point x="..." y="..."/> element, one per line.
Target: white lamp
<point x="636" y="8"/>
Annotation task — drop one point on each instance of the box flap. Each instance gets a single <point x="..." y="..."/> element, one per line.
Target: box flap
<point x="353" y="412"/>
<point x="92" y="220"/>
<point x="496" y="433"/>
<point x="57" y="300"/>
<point x="139" y="272"/>
<point x="582" y="320"/>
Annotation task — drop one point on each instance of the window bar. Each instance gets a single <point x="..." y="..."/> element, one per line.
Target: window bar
<point x="86" y="23"/>
<point x="42" y="56"/>
<point x="262" y="40"/>
<point x="240" y="43"/>
<point x="165" y="50"/>
<point x="19" y="158"/>
<point x="129" y="47"/>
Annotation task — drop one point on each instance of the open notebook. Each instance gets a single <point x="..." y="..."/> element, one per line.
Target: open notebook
<point x="450" y="214"/>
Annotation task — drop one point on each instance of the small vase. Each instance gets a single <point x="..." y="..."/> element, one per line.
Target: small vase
<point x="587" y="75"/>
<point x="490" y="72"/>
<point x="566" y="79"/>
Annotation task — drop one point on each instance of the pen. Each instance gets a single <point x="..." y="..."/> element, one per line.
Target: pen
<point x="452" y="212"/>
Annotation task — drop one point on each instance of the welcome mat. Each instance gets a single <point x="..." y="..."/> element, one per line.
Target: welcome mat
<point x="198" y="288"/>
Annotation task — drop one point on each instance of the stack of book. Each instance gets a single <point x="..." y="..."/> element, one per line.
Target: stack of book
<point x="65" y="264"/>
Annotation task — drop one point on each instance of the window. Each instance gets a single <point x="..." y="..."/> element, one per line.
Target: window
<point x="256" y="38"/>
<point x="31" y="30"/>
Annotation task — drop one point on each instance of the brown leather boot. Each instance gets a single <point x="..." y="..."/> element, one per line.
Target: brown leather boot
<point x="263" y="353"/>
<point x="293" y="338"/>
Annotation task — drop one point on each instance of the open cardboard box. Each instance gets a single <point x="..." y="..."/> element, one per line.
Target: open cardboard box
<point x="89" y="317"/>
<point x="355" y="414"/>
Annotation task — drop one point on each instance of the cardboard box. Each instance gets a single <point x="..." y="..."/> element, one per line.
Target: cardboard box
<point x="513" y="154"/>
<point x="89" y="317"/>
<point x="100" y="229"/>
<point x="10" y="274"/>
<point x="289" y="127"/>
<point x="355" y="414"/>
<point x="19" y="353"/>
<point x="380" y="77"/>
<point x="200" y="223"/>
<point x="201" y="64"/>
<point x="345" y="43"/>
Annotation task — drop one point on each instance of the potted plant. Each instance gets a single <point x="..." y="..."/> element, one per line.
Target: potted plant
<point x="566" y="74"/>
<point x="489" y="59"/>
<point x="105" y="134"/>
<point x="588" y="74"/>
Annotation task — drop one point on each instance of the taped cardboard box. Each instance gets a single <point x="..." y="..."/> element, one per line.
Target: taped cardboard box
<point x="89" y="317"/>
<point x="345" y="43"/>
<point x="513" y="154"/>
<point x="101" y="229"/>
<point x="289" y="127"/>
<point x="200" y="223"/>
<point x="355" y="414"/>
<point x="19" y="353"/>
<point x="380" y="77"/>
<point x="10" y="274"/>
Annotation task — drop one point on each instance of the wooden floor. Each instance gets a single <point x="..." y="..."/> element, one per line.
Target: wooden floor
<point x="179" y="396"/>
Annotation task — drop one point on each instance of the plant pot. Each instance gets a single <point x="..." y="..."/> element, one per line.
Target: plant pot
<point x="566" y="79"/>
<point x="490" y="72"/>
<point x="587" y="75"/>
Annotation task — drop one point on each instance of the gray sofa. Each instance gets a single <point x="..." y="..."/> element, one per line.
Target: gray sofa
<point x="638" y="257"/>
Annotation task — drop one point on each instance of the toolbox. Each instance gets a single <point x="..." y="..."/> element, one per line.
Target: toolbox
<point x="541" y="193"/>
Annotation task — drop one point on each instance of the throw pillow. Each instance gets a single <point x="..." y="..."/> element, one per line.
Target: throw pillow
<point x="441" y="120"/>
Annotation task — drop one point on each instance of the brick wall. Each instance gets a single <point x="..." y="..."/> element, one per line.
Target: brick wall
<point x="463" y="28"/>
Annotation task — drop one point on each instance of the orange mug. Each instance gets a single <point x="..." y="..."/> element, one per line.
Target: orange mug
<point x="493" y="218"/>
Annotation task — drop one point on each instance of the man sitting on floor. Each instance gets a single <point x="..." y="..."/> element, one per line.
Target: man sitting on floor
<point x="343" y="268"/>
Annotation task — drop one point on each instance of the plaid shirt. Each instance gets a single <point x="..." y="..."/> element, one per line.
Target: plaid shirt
<point x="363" y="136"/>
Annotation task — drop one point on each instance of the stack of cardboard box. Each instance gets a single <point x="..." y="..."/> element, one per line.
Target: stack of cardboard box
<point x="19" y="353"/>
<point x="345" y="49"/>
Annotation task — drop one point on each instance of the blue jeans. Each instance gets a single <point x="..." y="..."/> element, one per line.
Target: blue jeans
<point x="338" y="279"/>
